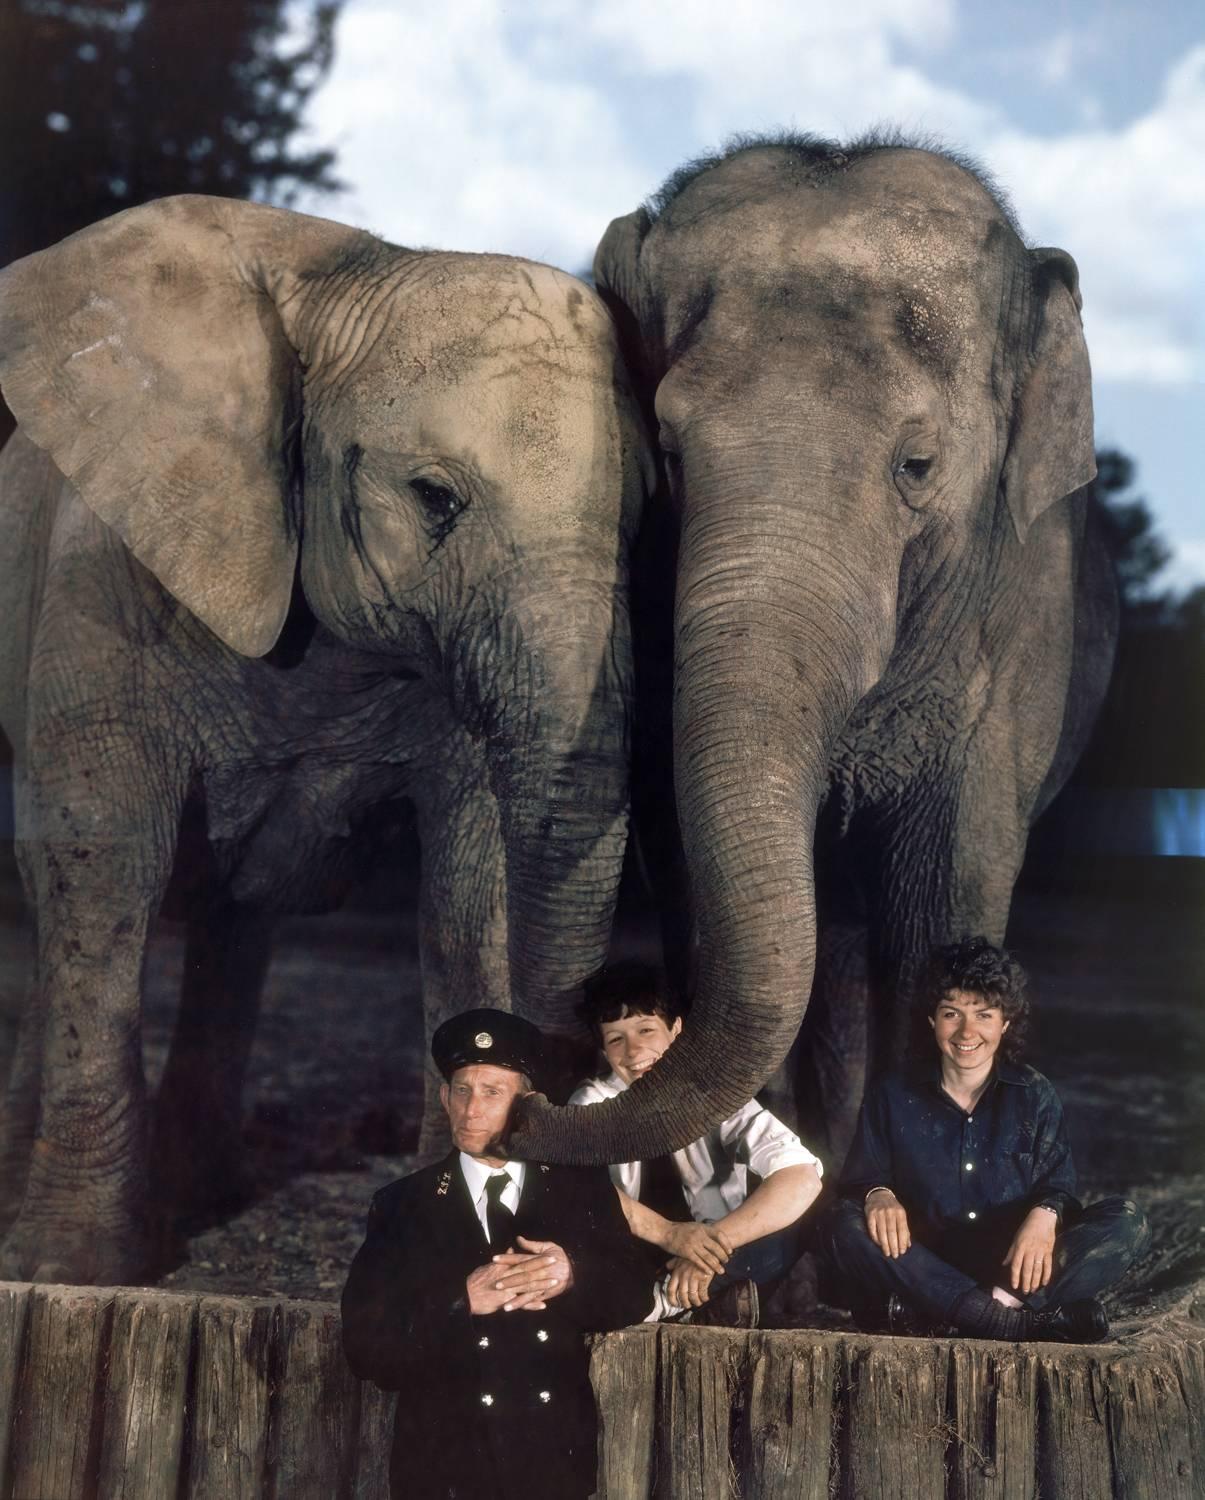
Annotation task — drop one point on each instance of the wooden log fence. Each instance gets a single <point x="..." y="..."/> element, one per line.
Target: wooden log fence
<point x="133" y="1394"/>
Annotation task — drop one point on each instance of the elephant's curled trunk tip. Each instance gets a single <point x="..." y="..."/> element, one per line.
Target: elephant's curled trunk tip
<point x="530" y="1112"/>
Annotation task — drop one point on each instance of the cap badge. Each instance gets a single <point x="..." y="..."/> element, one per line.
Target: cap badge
<point x="483" y="1040"/>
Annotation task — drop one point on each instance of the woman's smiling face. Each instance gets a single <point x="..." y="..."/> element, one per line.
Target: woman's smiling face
<point x="968" y="1029"/>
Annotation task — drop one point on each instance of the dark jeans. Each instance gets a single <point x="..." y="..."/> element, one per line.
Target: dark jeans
<point x="1093" y="1250"/>
<point x="765" y="1261"/>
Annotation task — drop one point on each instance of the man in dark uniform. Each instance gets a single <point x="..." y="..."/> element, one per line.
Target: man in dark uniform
<point x="474" y="1286"/>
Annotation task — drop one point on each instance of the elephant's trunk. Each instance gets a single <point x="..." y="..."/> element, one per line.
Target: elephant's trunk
<point x="557" y="735"/>
<point x="772" y="654"/>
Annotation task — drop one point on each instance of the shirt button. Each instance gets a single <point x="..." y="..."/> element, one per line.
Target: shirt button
<point x="483" y="1342"/>
<point x="487" y="1399"/>
<point x="545" y="1396"/>
<point x="542" y="1335"/>
<point x="972" y="1214"/>
<point x="970" y="1166"/>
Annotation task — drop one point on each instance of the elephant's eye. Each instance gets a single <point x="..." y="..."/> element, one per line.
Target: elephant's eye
<point x="673" y="472"/>
<point x="441" y="505"/>
<point x="910" y="476"/>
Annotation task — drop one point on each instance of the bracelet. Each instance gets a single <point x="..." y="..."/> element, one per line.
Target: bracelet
<point x="1047" y="1208"/>
<point x="883" y="1189"/>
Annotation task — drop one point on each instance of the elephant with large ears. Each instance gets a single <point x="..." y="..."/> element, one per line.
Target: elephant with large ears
<point x="891" y="629"/>
<point x="300" y="525"/>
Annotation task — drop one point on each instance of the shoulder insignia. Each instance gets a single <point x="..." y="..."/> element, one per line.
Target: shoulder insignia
<point x="445" y="1182"/>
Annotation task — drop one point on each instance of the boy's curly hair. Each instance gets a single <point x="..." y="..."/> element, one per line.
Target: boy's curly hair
<point x="979" y="967"/>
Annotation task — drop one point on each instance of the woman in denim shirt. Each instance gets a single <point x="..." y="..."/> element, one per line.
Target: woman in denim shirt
<point x="958" y="1198"/>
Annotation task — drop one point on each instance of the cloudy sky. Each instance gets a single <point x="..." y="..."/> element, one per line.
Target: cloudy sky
<point x="526" y="125"/>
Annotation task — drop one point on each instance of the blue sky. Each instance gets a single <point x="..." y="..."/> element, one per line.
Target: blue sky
<point x="526" y="126"/>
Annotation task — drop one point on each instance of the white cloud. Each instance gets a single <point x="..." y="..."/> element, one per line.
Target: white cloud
<point x="1130" y="206"/>
<point x="766" y="63"/>
<point x="450" y="136"/>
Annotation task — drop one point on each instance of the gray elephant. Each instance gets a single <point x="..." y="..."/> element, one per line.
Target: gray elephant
<point x="891" y="630"/>
<point x="298" y="524"/>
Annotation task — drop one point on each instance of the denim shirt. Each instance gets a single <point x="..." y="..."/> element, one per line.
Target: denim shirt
<point x="963" y="1173"/>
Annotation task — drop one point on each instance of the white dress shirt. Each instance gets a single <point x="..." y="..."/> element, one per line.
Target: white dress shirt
<point x="715" y="1168"/>
<point x="476" y="1174"/>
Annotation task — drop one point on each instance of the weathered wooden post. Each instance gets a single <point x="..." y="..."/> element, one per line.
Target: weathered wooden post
<point x="994" y="1422"/>
<point x="787" y="1423"/>
<point x="56" y="1436"/>
<point x="143" y="1405"/>
<point x="229" y="1436"/>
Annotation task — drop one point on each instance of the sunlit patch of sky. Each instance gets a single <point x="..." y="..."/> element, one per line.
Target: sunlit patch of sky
<point x="490" y="124"/>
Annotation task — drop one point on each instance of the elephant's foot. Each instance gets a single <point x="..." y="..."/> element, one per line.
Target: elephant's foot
<point x="83" y="1219"/>
<point x="35" y="1250"/>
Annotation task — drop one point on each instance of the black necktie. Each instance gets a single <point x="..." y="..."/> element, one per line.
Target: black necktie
<point x="661" y="1189"/>
<point x="499" y="1219"/>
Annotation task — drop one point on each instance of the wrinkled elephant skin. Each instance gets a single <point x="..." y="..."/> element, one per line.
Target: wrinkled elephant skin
<point x="301" y="527"/>
<point x="891" y="629"/>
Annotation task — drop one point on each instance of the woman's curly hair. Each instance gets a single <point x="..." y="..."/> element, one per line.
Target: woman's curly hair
<point x="979" y="967"/>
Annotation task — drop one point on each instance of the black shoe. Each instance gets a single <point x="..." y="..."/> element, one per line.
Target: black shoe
<point x="735" y="1307"/>
<point x="1082" y="1322"/>
<point x="902" y="1320"/>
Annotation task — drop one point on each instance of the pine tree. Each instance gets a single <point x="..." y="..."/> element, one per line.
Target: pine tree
<point x="107" y="104"/>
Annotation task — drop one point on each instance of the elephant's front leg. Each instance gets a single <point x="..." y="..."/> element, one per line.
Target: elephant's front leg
<point x="82" y="1218"/>
<point x="19" y="1109"/>
<point x="462" y="918"/>
<point x="950" y="860"/>
<point x="830" y="1052"/>
<point x="197" y="1141"/>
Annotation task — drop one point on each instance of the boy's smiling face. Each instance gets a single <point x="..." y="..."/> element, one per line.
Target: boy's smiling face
<point x="634" y="1043"/>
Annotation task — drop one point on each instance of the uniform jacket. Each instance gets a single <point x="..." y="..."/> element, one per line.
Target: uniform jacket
<point x="960" y="1175"/>
<point x="496" y="1407"/>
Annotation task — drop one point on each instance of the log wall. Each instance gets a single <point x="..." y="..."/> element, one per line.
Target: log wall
<point x="835" y="1416"/>
<point x="133" y="1394"/>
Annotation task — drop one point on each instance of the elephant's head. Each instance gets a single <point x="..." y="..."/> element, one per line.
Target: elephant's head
<point x="861" y="377"/>
<point x="440" y="446"/>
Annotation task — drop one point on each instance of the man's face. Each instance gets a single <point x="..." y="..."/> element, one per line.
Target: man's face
<point x="478" y="1102"/>
<point x="633" y="1044"/>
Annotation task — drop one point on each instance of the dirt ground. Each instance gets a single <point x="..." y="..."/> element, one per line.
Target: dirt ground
<point x="332" y="1104"/>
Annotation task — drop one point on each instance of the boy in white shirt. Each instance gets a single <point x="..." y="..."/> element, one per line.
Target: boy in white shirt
<point x="717" y="1239"/>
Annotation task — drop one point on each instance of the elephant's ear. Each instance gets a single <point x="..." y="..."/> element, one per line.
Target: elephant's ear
<point x="147" y="356"/>
<point x="1050" y="451"/>
<point x="617" y="278"/>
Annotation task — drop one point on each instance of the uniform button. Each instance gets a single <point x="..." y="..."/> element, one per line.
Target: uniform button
<point x="542" y="1335"/>
<point x="970" y="1166"/>
<point x="487" y="1399"/>
<point x="483" y="1342"/>
<point x="972" y="1214"/>
<point x="545" y="1395"/>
